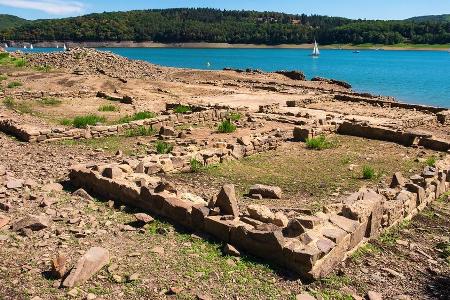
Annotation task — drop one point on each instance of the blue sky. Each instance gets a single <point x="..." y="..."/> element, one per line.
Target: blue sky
<point x="369" y="9"/>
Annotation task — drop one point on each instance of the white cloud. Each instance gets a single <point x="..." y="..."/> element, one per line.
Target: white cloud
<point x="55" y="7"/>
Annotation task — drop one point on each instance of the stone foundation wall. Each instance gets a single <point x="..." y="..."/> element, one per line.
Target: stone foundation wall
<point x="215" y="153"/>
<point x="384" y="103"/>
<point x="29" y="133"/>
<point x="406" y="138"/>
<point x="312" y="246"/>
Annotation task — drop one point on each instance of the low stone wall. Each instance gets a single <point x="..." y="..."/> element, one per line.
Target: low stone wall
<point x="29" y="133"/>
<point x="312" y="246"/>
<point x="406" y="138"/>
<point x="384" y="103"/>
<point x="215" y="153"/>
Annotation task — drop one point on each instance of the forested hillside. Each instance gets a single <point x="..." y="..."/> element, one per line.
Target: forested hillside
<point x="8" y="21"/>
<point x="211" y="25"/>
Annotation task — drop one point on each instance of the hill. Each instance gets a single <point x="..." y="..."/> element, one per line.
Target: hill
<point x="8" y="21"/>
<point x="220" y="26"/>
<point x="431" y="18"/>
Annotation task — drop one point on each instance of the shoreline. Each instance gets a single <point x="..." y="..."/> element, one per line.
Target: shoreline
<point x="205" y="45"/>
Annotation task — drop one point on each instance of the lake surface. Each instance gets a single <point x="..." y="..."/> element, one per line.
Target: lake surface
<point x="412" y="76"/>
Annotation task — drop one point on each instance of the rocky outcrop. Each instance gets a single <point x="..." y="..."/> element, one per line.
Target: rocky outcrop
<point x="333" y="81"/>
<point x="294" y="75"/>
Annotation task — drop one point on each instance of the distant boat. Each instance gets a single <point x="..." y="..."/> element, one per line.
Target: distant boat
<point x="65" y="48"/>
<point x="57" y="46"/>
<point x="31" y="46"/>
<point x="316" y="52"/>
<point x="356" y="51"/>
<point x="6" y="45"/>
<point x="24" y="46"/>
<point x="208" y="64"/>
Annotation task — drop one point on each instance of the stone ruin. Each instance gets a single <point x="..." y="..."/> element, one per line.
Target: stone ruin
<point x="311" y="245"/>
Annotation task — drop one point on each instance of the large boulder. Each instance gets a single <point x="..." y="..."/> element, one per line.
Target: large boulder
<point x="89" y="264"/>
<point x="294" y="75"/>
<point x="266" y="191"/>
<point x="227" y="202"/>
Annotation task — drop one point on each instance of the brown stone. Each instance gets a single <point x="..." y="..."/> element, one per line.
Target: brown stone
<point x="4" y="220"/>
<point x="398" y="180"/>
<point x="59" y="266"/>
<point x="32" y="222"/>
<point x="143" y="217"/>
<point x="293" y="229"/>
<point x="266" y="191"/>
<point x="89" y="264"/>
<point x="226" y="201"/>
<point x="230" y="250"/>
<point x="112" y="172"/>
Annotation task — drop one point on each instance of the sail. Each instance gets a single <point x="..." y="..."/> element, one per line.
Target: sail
<point x="316" y="51"/>
<point x="6" y="45"/>
<point x="31" y="47"/>
<point x="65" y="48"/>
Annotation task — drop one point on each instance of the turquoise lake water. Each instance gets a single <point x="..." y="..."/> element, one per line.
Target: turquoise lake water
<point x="412" y="76"/>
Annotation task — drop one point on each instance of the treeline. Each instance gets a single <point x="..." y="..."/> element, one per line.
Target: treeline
<point x="219" y="26"/>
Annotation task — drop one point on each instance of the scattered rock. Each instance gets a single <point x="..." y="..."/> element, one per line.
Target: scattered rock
<point x="4" y="220"/>
<point x="374" y="296"/>
<point x="144" y="218"/>
<point x="304" y="296"/>
<point x="52" y="187"/>
<point x="227" y="202"/>
<point x="83" y="194"/>
<point x="32" y="222"/>
<point x="89" y="264"/>
<point x="59" y="266"/>
<point x="230" y="250"/>
<point x="13" y="183"/>
<point x="266" y="191"/>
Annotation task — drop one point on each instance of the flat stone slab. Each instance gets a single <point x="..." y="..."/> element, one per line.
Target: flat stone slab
<point x="89" y="264"/>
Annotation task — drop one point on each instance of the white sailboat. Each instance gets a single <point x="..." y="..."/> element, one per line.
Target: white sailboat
<point x="6" y="45"/>
<point x="24" y="46"/>
<point x="316" y="52"/>
<point x="57" y="46"/>
<point x="65" y="48"/>
<point x="31" y="46"/>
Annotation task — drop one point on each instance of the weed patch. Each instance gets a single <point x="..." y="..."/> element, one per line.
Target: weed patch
<point x="319" y="143"/>
<point x="444" y="248"/>
<point x="389" y="237"/>
<point x="108" y="108"/>
<point x="140" y="131"/>
<point x="9" y="102"/>
<point x="163" y="147"/>
<point x="431" y="161"/>
<point x="137" y="116"/>
<point x="84" y="121"/>
<point x="50" y="101"/>
<point x="368" y="172"/>
<point x="195" y="165"/>
<point x="182" y="109"/>
<point x="3" y="77"/>
<point x="13" y="84"/>
<point x="226" y="127"/>
<point x="367" y="249"/>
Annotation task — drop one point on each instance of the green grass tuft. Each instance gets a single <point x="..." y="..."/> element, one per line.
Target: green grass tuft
<point x="140" y="131"/>
<point x="182" y="109"/>
<point x="431" y="161"/>
<point x="20" y="62"/>
<point x="444" y="247"/>
<point x="367" y="249"/>
<point x="108" y="108"/>
<point x="50" y="101"/>
<point x="234" y="116"/>
<point x="319" y="143"/>
<point x="163" y="147"/>
<point x="137" y="116"/>
<point x="3" y="77"/>
<point x="226" y="127"/>
<point x="9" y="102"/>
<point x="368" y="172"/>
<point x="84" y="121"/>
<point x="14" y="84"/>
<point x="195" y="165"/>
